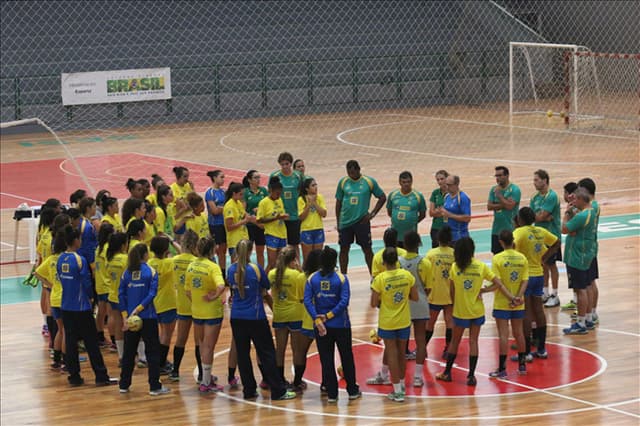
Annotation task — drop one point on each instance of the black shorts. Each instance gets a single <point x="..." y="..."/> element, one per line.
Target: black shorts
<point x="578" y="279"/>
<point x="219" y="233"/>
<point x="293" y="232"/>
<point x="557" y="257"/>
<point x="495" y="244"/>
<point x="434" y="237"/>
<point x="360" y="231"/>
<point x="256" y="234"/>
<point x="593" y="270"/>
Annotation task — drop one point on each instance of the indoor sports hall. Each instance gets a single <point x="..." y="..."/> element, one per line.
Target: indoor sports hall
<point x="95" y="93"/>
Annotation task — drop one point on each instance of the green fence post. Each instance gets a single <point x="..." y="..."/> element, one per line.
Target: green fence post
<point x="216" y="87"/>
<point x="16" y="99"/>
<point x="354" y="80"/>
<point x="263" y="72"/>
<point x="309" y="83"/>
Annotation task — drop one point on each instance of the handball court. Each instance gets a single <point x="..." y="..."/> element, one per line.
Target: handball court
<point x="591" y="379"/>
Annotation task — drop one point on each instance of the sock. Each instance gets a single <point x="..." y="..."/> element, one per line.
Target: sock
<point x="141" y="355"/>
<point x="418" y="370"/>
<point x="281" y="371"/>
<point x="473" y="362"/>
<point x="429" y="335"/>
<point x="206" y="374"/>
<point x="447" y="336"/>
<point x="450" y="358"/>
<point x="384" y="371"/>
<point x="231" y="373"/>
<point x="164" y="351"/>
<point x="178" y="353"/>
<point x="542" y="338"/>
<point x="397" y="387"/>
<point x="581" y="321"/>
<point x="589" y="317"/>
<point x="521" y="357"/>
<point x="502" y="361"/>
<point x="199" y="362"/>
<point x="545" y="291"/>
<point x="299" y="372"/>
<point x="120" y="347"/>
<point x="594" y="314"/>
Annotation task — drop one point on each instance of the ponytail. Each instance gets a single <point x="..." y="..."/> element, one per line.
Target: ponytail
<point x="135" y="257"/>
<point x="286" y="256"/>
<point x="116" y="242"/>
<point x="243" y="251"/>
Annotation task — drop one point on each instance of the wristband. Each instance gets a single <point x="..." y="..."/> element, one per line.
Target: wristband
<point x="330" y="315"/>
<point x="319" y="321"/>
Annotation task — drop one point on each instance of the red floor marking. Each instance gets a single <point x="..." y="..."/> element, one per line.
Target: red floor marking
<point x="564" y="366"/>
<point x="58" y="178"/>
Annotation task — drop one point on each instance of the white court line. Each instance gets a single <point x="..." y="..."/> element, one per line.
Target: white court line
<point x="6" y="194"/>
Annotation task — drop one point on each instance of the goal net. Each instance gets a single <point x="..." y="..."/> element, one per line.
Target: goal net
<point x="585" y="88"/>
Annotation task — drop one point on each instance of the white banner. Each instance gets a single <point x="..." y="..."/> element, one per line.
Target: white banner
<point x="102" y="87"/>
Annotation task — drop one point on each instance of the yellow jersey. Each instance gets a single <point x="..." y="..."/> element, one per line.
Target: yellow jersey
<point x="181" y="191"/>
<point x="180" y="264"/>
<point x="234" y="209"/>
<point x="377" y="265"/>
<point x="115" y="268"/>
<point x="165" y="299"/>
<point x="153" y="199"/>
<point x="441" y="259"/>
<point x="287" y="299"/>
<point x="134" y="242"/>
<point x="203" y="276"/>
<point x="268" y="208"/>
<point x="467" y="285"/>
<point x="512" y="268"/>
<point x="198" y="224"/>
<point x="532" y="241"/>
<point x="150" y="231"/>
<point x="393" y="287"/>
<point x="313" y="220"/>
<point x="48" y="269"/>
<point x="45" y="242"/>
<point x="115" y="221"/>
<point x="102" y="278"/>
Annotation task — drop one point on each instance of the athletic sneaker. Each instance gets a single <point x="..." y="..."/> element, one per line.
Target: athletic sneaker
<point x="174" y="376"/>
<point x="522" y="369"/>
<point x="569" y="306"/>
<point x="113" y="347"/>
<point x="410" y="355"/>
<point x="527" y="358"/>
<point x="545" y="297"/>
<point x="166" y="370"/>
<point x="233" y="383"/>
<point x="378" y="380"/>
<point x="56" y="366"/>
<point x="575" y="328"/>
<point x="589" y="325"/>
<point x="160" y="391"/>
<point x="396" y="396"/>
<point x="45" y="330"/>
<point x="471" y="381"/>
<point x="211" y="387"/>
<point x="124" y="390"/>
<point x="263" y="385"/>
<point x="285" y="396"/>
<point x="418" y="382"/>
<point x="332" y="400"/>
<point x="445" y="377"/>
<point x="355" y="396"/>
<point x="541" y="355"/>
<point x="142" y="364"/>
<point x="596" y="318"/>
<point x="498" y="374"/>
<point x="552" y="302"/>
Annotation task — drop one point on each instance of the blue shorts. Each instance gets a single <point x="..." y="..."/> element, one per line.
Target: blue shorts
<point x="256" y="234"/>
<point x="309" y="333"/>
<point x="103" y="297"/>
<point x="535" y="286"/>
<point x="167" y="317"/>
<point x="183" y="317"/>
<point x="291" y="325"/>
<point x="437" y="308"/>
<point x="114" y="306"/>
<point x="360" y="231"/>
<point x="315" y="236"/>
<point x="593" y="270"/>
<point x="275" y="243"/>
<point x="208" y="321"/>
<point x="401" y="333"/>
<point x="467" y="323"/>
<point x="495" y="244"/>
<point x="219" y="233"/>
<point x="508" y="315"/>
<point x="578" y="279"/>
<point x="293" y="232"/>
<point x="56" y="313"/>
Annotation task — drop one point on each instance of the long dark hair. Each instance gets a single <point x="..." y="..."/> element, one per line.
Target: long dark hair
<point x="106" y="229"/>
<point x="159" y="246"/>
<point x="312" y="262"/>
<point x="304" y="189"/>
<point x="135" y="227"/>
<point x="234" y="188"/>
<point x="463" y="252"/>
<point x="129" y="207"/>
<point x="445" y="236"/>
<point x="247" y="178"/>
<point x="162" y="191"/>
<point x="328" y="260"/>
<point x="135" y="257"/>
<point x="116" y="242"/>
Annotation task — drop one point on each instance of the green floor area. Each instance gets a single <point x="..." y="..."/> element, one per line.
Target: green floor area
<point x="12" y="290"/>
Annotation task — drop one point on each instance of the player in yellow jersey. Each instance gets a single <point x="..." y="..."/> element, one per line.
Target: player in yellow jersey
<point x="181" y="262"/>
<point x="197" y="219"/>
<point x="182" y="186"/>
<point x="236" y="218"/>
<point x="116" y="264"/>
<point x="150" y="216"/>
<point x="513" y="270"/>
<point x="311" y="210"/>
<point x="102" y="281"/>
<point x="287" y="290"/>
<point x="466" y="277"/>
<point x="312" y="263"/>
<point x="205" y="286"/>
<point x="165" y="299"/>
<point x="136" y="232"/>
<point x="44" y="239"/>
<point x="132" y="208"/>
<point x="156" y="181"/>
<point x="441" y="259"/>
<point x="391" y="291"/>
<point x="166" y="212"/>
<point x="110" y="213"/>
<point x="272" y="215"/>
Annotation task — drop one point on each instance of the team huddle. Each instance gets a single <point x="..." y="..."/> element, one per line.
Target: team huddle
<point x="152" y="270"/>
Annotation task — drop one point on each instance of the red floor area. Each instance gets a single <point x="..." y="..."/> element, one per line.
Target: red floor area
<point x="35" y="181"/>
<point x="564" y="366"/>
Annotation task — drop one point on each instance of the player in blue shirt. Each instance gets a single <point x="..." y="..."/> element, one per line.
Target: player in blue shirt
<point x="456" y="209"/>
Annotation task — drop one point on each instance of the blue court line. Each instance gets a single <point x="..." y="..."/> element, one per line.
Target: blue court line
<point x="627" y="225"/>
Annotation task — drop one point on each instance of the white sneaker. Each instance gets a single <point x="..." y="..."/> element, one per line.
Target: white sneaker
<point x="418" y="382"/>
<point x="552" y="302"/>
<point x="160" y="391"/>
<point x="378" y="379"/>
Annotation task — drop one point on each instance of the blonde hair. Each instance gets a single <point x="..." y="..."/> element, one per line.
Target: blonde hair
<point x="286" y="256"/>
<point x="243" y="251"/>
<point x="190" y="242"/>
<point x="205" y="246"/>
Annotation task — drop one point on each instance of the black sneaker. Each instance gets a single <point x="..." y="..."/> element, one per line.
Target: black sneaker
<point x="76" y="382"/>
<point x="251" y="396"/>
<point x="109" y="381"/>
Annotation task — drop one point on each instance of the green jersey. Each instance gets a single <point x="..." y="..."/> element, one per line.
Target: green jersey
<point x="581" y="246"/>
<point x="290" y="191"/>
<point x="252" y="199"/>
<point x="550" y="203"/>
<point x="503" y="219"/>
<point x="437" y="198"/>
<point x="355" y="196"/>
<point x="596" y="208"/>
<point x="405" y="209"/>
